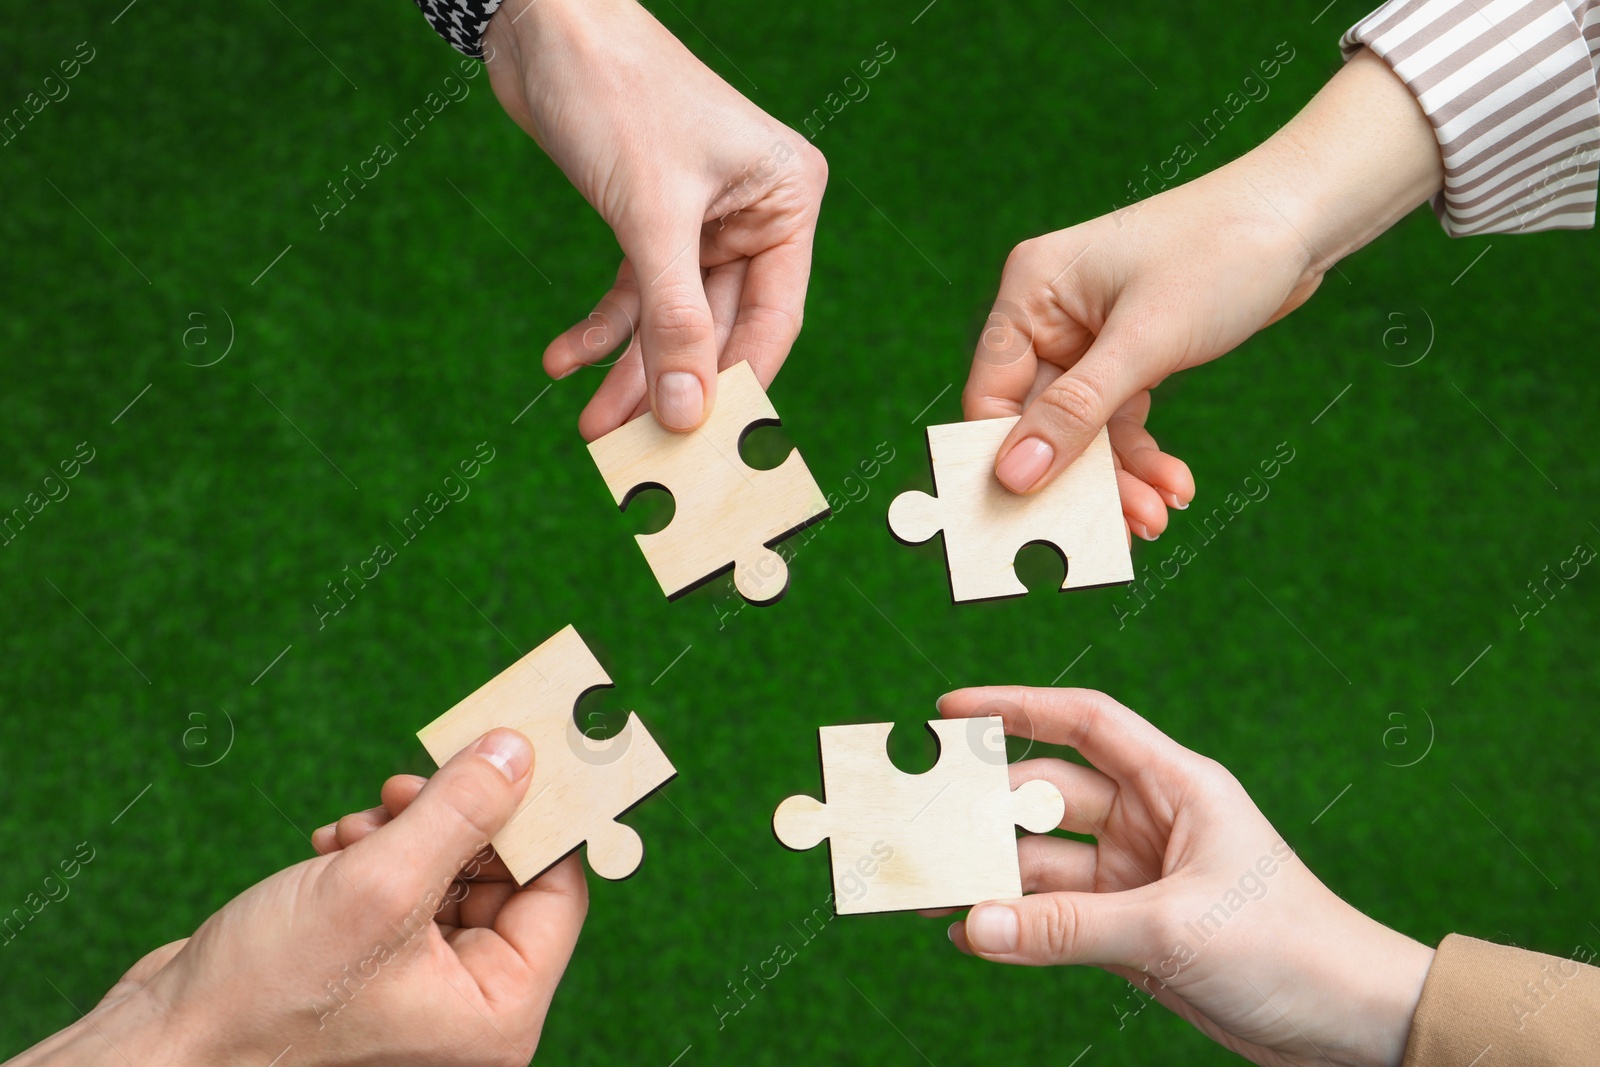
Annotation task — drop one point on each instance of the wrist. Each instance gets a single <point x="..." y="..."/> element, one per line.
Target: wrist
<point x="524" y="28"/>
<point x="544" y="55"/>
<point x="1383" y="995"/>
<point x="131" y="1029"/>
<point x="1355" y="160"/>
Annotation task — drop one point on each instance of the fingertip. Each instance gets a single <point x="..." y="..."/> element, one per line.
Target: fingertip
<point x="359" y="824"/>
<point x="681" y="400"/>
<point x="1168" y="476"/>
<point x="562" y="375"/>
<point x="399" y="791"/>
<point x="605" y="329"/>
<point x="957" y="933"/>
<point x="957" y="703"/>
<point x="324" y="839"/>
<point x="993" y="930"/>
<point x="1142" y="506"/>
<point x="557" y="360"/>
<point x="1023" y="467"/>
<point x="568" y="875"/>
<point x="578" y="346"/>
<point x="508" y="752"/>
<point x="399" y="780"/>
<point x="594" y="424"/>
<point x="563" y="893"/>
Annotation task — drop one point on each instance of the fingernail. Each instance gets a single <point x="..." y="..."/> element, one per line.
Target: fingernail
<point x="1172" y="498"/>
<point x="950" y="932"/>
<point x="1142" y="530"/>
<point x="507" y="750"/>
<point x="993" y="929"/>
<point x="680" y="401"/>
<point x="1025" y="464"/>
<point x="328" y="828"/>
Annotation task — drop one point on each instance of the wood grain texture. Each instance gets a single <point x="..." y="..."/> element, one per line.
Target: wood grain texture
<point x="726" y="513"/>
<point x="579" y="785"/>
<point x="985" y="525"/>
<point x="941" y="839"/>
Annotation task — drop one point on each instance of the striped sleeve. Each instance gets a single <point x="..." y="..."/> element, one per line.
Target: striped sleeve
<point x="1509" y="86"/>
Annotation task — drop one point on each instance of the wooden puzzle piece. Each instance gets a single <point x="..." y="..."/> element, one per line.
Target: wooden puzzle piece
<point x="726" y="514"/>
<point x="941" y="839"/>
<point x="579" y="785"/>
<point x="985" y="524"/>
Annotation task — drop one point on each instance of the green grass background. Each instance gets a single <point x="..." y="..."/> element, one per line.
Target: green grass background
<point x="409" y="330"/>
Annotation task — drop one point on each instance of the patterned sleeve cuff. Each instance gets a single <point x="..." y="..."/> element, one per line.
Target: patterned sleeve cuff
<point x="1509" y="86"/>
<point x="461" y="22"/>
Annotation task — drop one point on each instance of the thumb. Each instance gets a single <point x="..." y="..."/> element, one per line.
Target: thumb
<point x="677" y="336"/>
<point x="464" y="805"/>
<point x="1064" y="419"/>
<point x="1054" y="928"/>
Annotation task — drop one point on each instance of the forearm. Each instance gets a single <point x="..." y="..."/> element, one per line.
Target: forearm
<point x="1352" y="163"/>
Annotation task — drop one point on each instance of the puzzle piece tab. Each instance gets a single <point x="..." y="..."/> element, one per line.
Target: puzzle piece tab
<point x="985" y="525"/>
<point x="941" y="839"/>
<point x="727" y="514"/>
<point x="579" y="785"/>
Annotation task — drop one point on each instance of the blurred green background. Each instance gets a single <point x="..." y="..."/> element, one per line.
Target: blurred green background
<point x="1325" y="636"/>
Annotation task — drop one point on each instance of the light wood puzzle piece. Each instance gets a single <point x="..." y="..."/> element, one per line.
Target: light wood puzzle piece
<point x="579" y="785"/>
<point x="726" y="514"/>
<point x="985" y="524"/>
<point x="941" y="839"/>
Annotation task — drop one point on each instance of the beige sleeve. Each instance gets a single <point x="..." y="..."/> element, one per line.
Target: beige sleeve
<point x="1487" y="1005"/>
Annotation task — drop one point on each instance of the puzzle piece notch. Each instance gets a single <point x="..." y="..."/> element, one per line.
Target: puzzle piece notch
<point x="725" y="512"/>
<point x="580" y="785"/>
<point x="897" y="841"/>
<point x="985" y="525"/>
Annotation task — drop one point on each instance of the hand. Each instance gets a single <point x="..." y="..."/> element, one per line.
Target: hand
<point x="713" y="202"/>
<point x="1091" y="316"/>
<point x="1189" y="893"/>
<point x="406" y="942"/>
